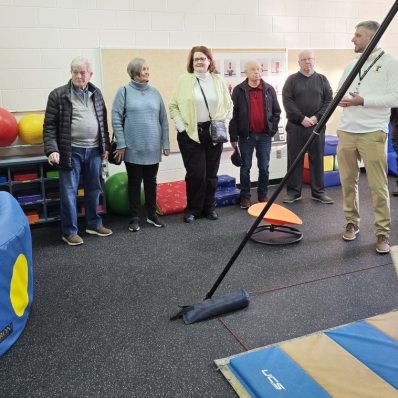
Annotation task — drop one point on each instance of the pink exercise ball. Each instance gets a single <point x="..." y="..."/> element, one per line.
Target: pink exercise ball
<point x="8" y="128"/>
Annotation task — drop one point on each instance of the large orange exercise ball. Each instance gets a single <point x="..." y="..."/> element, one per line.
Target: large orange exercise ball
<point x="8" y="128"/>
<point x="31" y="129"/>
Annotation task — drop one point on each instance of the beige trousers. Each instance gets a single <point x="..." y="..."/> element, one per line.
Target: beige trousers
<point x="372" y="149"/>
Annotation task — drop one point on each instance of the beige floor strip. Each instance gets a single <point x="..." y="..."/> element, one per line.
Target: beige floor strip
<point x="337" y="371"/>
<point x="386" y="323"/>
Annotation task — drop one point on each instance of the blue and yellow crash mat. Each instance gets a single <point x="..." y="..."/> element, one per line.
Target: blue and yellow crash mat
<point x="358" y="360"/>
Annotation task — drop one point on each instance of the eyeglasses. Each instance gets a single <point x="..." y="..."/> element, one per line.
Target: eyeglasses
<point x="199" y="59"/>
<point x="306" y="59"/>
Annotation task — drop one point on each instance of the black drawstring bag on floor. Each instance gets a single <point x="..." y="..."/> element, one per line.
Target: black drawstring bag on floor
<point x="213" y="307"/>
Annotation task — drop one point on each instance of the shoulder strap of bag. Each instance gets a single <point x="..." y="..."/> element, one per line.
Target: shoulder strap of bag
<point x="207" y="106"/>
<point x="124" y="112"/>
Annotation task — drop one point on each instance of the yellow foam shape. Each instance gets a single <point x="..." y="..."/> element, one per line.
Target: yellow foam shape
<point x="386" y="323"/>
<point x="19" y="286"/>
<point x="328" y="163"/>
<point x="337" y="371"/>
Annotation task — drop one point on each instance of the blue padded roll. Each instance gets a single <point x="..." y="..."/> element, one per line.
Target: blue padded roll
<point x="16" y="274"/>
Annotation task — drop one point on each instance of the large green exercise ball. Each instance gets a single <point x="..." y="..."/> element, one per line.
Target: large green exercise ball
<point x="116" y="191"/>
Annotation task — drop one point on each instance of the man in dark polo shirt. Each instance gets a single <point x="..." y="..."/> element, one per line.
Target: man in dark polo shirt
<point x="255" y="121"/>
<point x="306" y="95"/>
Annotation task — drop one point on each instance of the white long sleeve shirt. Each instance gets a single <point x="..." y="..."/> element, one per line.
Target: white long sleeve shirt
<point x="379" y="89"/>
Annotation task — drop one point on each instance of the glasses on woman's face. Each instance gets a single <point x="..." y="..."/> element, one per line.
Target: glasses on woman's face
<point x="203" y="59"/>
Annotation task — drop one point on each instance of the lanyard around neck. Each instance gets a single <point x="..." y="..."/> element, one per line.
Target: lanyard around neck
<point x="361" y="76"/>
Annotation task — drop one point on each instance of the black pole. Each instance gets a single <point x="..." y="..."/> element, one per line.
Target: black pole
<point x="318" y="127"/>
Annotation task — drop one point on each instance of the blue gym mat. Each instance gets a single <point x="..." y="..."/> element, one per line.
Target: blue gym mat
<point x="355" y="360"/>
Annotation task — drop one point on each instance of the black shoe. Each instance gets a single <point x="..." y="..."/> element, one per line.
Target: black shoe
<point x="395" y="192"/>
<point x="188" y="218"/>
<point x="134" y="225"/>
<point x="156" y="221"/>
<point x="212" y="215"/>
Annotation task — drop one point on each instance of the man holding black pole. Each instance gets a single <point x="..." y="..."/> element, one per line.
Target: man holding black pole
<point x="363" y="132"/>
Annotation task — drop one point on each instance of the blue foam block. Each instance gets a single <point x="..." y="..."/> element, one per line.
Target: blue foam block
<point x="370" y="346"/>
<point x="331" y="142"/>
<point x="227" y="196"/>
<point x="392" y="163"/>
<point x="331" y="178"/>
<point x="271" y="373"/>
<point x="225" y="181"/>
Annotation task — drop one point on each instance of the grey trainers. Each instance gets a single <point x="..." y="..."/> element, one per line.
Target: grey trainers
<point x="134" y="225"/>
<point x="291" y="199"/>
<point x="156" y="221"/>
<point x="395" y="192"/>
<point x="383" y="245"/>
<point x="72" y="240"/>
<point x="351" y="231"/>
<point x="100" y="231"/>
<point x="323" y="199"/>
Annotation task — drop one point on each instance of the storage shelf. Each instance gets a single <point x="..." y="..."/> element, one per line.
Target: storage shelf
<point x="43" y="185"/>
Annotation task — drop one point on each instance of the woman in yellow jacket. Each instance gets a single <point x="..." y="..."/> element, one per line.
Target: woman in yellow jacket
<point x="191" y="115"/>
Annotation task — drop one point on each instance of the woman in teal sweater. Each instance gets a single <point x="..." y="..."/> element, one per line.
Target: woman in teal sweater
<point x="141" y="129"/>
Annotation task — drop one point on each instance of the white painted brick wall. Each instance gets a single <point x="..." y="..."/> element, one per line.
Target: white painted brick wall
<point x="39" y="38"/>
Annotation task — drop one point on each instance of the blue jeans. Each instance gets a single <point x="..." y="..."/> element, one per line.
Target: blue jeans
<point x="262" y="143"/>
<point x="86" y="161"/>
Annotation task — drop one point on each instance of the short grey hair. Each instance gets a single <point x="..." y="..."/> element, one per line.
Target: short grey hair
<point x="135" y="66"/>
<point x="251" y="61"/>
<point x="81" y="61"/>
<point x="370" y="26"/>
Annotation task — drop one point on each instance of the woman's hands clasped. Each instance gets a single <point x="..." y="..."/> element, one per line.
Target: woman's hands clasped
<point x="119" y="154"/>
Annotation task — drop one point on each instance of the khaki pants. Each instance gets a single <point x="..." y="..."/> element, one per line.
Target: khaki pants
<point x="372" y="149"/>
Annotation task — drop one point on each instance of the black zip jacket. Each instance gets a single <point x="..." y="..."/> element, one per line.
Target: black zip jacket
<point x="58" y="120"/>
<point x="239" y="125"/>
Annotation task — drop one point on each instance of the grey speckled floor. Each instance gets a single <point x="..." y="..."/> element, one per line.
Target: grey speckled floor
<point x="99" y="325"/>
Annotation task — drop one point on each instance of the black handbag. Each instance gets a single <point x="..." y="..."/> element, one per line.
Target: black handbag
<point x="218" y="131"/>
<point x="117" y="160"/>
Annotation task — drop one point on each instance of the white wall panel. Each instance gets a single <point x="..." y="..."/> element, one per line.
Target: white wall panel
<point x="9" y="38"/>
<point x="186" y="40"/>
<point x="114" y="5"/>
<point x="150" y="5"/>
<point x="135" y="20"/>
<point x="18" y="17"/>
<point x="57" y="18"/>
<point x="38" y="38"/>
<point x="120" y="38"/>
<point x="41" y="78"/>
<point x="150" y="40"/>
<point x="14" y="100"/>
<point x="85" y="38"/>
<point x="258" y="23"/>
<point x="230" y="23"/>
<point x="167" y="21"/>
<point x="194" y="23"/>
<point x="20" y="59"/>
<point x="97" y="19"/>
<point x="240" y="7"/>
